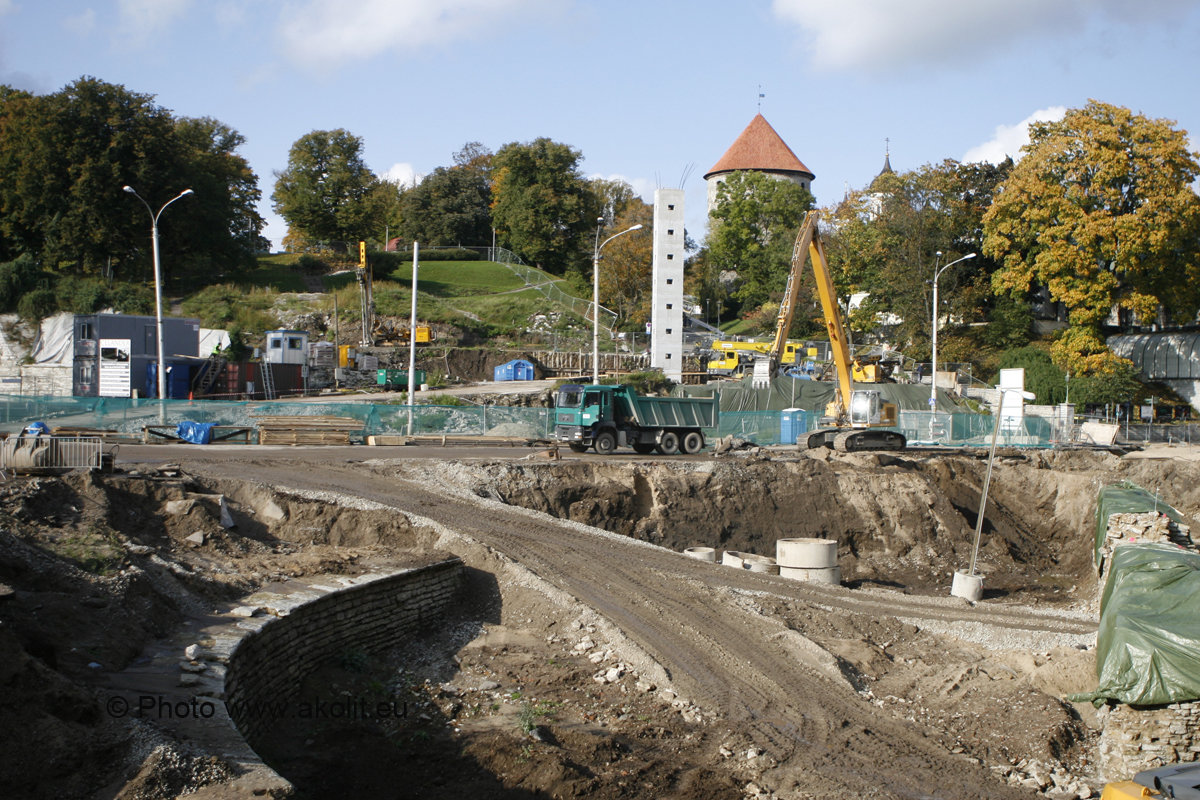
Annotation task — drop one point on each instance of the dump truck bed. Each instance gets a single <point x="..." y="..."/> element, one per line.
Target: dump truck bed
<point x="674" y="412"/>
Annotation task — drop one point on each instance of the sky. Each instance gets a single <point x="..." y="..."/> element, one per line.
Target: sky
<point x="650" y="92"/>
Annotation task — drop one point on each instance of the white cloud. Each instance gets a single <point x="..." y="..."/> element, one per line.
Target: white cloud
<point x="140" y="18"/>
<point x="876" y="33"/>
<point x="1009" y="139"/>
<point x="343" y="30"/>
<point x="80" y="24"/>
<point x="402" y="174"/>
<point x="7" y="7"/>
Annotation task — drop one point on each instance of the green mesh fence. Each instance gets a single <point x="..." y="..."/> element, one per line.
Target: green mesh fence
<point x="130" y="416"/>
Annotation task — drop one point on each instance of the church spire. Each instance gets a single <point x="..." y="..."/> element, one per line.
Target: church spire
<point x="887" y="159"/>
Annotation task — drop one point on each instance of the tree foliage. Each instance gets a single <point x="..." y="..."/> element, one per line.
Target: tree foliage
<point x="448" y="207"/>
<point x="752" y="228"/>
<point x="65" y="157"/>
<point x="327" y="193"/>
<point x="884" y="241"/>
<point x="1100" y="211"/>
<point x="625" y="265"/>
<point x="542" y="207"/>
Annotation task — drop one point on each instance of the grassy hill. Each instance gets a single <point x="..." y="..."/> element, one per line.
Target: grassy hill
<point x="471" y="300"/>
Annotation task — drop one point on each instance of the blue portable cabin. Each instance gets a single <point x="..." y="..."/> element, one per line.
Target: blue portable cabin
<point x="516" y="370"/>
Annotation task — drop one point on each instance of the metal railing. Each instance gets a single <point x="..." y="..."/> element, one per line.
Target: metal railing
<point x="548" y="287"/>
<point x="43" y="452"/>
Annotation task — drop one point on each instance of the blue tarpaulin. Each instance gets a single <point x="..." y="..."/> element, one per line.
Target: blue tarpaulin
<point x="195" y="432"/>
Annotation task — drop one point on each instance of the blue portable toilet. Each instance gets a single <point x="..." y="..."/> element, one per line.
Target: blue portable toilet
<point x="793" y="422"/>
<point x="516" y="370"/>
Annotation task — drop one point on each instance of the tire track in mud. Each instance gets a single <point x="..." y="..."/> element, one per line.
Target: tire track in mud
<point x="821" y="732"/>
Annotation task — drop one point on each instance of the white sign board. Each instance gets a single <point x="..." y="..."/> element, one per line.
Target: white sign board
<point x="114" y="367"/>
<point x="1012" y="405"/>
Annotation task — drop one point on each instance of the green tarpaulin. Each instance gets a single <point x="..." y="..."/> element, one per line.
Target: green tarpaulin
<point x="1148" y="646"/>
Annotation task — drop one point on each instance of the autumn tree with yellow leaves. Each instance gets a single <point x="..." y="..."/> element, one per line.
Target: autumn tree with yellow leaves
<point x="1101" y="212"/>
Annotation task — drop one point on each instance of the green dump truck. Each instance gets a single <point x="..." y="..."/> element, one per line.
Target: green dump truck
<point x="608" y="417"/>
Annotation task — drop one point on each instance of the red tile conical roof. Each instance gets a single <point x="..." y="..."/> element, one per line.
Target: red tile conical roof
<point x="759" y="148"/>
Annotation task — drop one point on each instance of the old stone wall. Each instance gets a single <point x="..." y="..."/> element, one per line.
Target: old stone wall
<point x="268" y="665"/>
<point x="1133" y="739"/>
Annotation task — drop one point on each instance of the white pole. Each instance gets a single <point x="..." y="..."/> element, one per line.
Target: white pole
<point x="933" y="365"/>
<point x="412" y="340"/>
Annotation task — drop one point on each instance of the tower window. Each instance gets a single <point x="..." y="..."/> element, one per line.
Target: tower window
<point x="670" y="206"/>
<point x="670" y="256"/>
<point x="670" y="231"/>
<point x="668" y="305"/>
<point x="670" y="281"/>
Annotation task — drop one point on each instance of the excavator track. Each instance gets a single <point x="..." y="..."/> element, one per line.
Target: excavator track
<point x="861" y="441"/>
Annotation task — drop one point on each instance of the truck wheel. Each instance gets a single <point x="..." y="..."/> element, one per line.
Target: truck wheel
<point x="576" y="447"/>
<point x="693" y="442"/>
<point x="605" y="443"/>
<point x="643" y="448"/>
<point x="668" y="445"/>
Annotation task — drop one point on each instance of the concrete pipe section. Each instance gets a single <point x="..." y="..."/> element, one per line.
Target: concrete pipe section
<point x="808" y="559"/>
<point x="828" y="575"/>
<point x="732" y="558"/>
<point x="757" y="563"/>
<point x="701" y="553"/>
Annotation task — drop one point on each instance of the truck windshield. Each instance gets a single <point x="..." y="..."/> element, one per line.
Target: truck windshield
<point x="570" y="398"/>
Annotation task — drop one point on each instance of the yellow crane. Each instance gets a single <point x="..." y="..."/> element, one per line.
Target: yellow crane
<point x="857" y="419"/>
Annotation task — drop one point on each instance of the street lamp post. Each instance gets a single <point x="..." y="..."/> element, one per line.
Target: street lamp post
<point x="162" y="373"/>
<point x="596" y="293"/>
<point x="937" y="273"/>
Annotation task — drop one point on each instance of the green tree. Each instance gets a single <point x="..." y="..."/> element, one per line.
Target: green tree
<point x="65" y="157"/>
<point x="326" y="192"/>
<point x="1101" y="212"/>
<point x="542" y="207"/>
<point x="884" y="241"/>
<point x="752" y="229"/>
<point x="448" y="207"/>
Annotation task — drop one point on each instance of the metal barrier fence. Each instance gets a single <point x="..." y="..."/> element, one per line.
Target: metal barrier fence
<point x="43" y="451"/>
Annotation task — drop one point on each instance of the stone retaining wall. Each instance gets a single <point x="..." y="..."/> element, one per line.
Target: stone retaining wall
<point x="1133" y="739"/>
<point x="270" y="663"/>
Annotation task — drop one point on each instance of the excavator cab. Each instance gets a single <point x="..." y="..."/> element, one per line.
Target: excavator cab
<point x="868" y="409"/>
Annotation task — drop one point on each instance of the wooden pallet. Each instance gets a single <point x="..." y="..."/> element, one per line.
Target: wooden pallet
<point x="315" y="430"/>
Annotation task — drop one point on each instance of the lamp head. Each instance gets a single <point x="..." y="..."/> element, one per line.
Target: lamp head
<point x="637" y="227"/>
<point x="129" y="189"/>
<point x="186" y="192"/>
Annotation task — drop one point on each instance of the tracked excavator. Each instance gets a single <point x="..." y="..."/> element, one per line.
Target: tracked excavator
<point x="857" y="419"/>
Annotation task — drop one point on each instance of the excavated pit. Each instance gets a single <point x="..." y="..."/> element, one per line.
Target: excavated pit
<point x="503" y="700"/>
<point x="900" y="521"/>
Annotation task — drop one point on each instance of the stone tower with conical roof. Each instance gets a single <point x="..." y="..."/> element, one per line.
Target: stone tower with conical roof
<point x="761" y="149"/>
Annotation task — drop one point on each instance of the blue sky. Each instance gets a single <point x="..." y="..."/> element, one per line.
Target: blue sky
<point x="650" y="92"/>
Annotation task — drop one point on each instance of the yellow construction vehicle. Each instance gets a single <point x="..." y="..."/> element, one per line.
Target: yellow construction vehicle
<point x="734" y="358"/>
<point x="1177" y="781"/>
<point x="857" y="419"/>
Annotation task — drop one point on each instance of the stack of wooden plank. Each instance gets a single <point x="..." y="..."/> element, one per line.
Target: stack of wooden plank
<point x="307" y="430"/>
